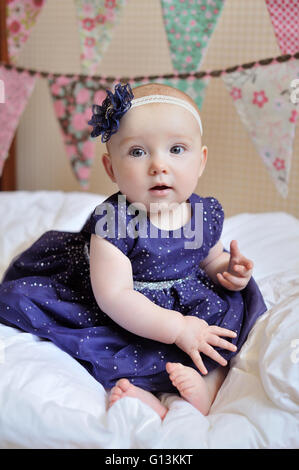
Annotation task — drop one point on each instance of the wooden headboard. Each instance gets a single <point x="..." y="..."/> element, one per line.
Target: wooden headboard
<point x="8" y="178"/>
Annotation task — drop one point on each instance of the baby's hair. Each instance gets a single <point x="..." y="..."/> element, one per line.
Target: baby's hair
<point x="160" y="89"/>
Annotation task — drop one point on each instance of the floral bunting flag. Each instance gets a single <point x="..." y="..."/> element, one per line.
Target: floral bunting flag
<point x="189" y="25"/>
<point x="262" y="96"/>
<point x="194" y="87"/>
<point x="20" y="19"/>
<point x="73" y="99"/>
<point x="285" y="19"/>
<point x="18" y="88"/>
<point x="96" y="20"/>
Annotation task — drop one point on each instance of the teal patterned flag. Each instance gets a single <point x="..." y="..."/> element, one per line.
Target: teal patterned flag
<point x="189" y="25"/>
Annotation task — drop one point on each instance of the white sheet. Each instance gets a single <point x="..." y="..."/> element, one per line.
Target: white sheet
<point x="48" y="400"/>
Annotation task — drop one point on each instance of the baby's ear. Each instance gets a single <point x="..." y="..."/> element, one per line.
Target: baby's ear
<point x="204" y="152"/>
<point x="204" y="157"/>
<point x="106" y="160"/>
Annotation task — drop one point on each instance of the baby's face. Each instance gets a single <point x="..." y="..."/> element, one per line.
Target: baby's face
<point x="156" y="144"/>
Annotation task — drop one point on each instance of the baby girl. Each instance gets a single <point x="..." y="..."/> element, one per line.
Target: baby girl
<point x="145" y="310"/>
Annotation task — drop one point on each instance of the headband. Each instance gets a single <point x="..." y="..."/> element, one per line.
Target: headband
<point x="168" y="100"/>
<point x="105" y="118"/>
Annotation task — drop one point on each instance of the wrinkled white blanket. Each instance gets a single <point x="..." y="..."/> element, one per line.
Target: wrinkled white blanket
<point x="48" y="400"/>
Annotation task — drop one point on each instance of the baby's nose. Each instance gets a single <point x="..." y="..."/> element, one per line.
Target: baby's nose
<point x="157" y="165"/>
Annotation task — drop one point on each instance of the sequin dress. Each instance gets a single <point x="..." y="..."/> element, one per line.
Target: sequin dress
<point x="46" y="291"/>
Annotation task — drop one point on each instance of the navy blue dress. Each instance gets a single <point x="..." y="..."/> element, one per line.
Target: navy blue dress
<point x="46" y="291"/>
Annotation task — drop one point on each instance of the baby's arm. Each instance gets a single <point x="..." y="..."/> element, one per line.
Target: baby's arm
<point x="112" y="284"/>
<point x="231" y="270"/>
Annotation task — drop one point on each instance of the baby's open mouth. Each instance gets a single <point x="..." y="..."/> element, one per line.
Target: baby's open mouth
<point x="160" y="190"/>
<point x="160" y="187"/>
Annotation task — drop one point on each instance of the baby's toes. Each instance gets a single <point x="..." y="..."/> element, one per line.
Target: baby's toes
<point x="179" y="375"/>
<point x="115" y="394"/>
<point x="173" y="369"/>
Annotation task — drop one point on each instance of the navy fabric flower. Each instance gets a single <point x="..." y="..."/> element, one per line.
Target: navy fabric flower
<point x="105" y="118"/>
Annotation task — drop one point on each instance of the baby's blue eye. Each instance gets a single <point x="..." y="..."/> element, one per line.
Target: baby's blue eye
<point x="177" y="149"/>
<point x="137" y="152"/>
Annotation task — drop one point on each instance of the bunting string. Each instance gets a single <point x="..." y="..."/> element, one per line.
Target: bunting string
<point x="183" y="76"/>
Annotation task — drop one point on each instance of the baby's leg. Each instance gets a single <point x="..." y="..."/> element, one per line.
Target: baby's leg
<point x="197" y="390"/>
<point x="124" y="388"/>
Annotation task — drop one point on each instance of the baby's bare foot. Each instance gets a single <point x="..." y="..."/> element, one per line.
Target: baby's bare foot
<point x="124" y="388"/>
<point x="191" y="386"/>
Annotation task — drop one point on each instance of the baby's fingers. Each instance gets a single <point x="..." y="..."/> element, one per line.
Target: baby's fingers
<point x="222" y="343"/>
<point x="209" y="351"/>
<point x="196" y="358"/>
<point x="231" y="282"/>
<point x="219" y="331"/>
<point x="241" y="270"/>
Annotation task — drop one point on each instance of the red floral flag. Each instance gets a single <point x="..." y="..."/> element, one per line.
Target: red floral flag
<point x="262" y="97"/>
<point x="17" y="91"/>
<point x="285" y="19"/>
<point x="20" y="19"/>
<point x="96" y="21"/>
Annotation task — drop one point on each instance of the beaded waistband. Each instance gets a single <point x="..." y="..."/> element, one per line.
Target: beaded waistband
<point x="160" y="285"/>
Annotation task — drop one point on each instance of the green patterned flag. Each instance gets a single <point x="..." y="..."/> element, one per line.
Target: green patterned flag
<point x="189" y="25"/>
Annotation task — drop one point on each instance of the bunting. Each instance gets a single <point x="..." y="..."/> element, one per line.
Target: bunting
<point x="96" y="22"/>
<point x="189" y="25"/>
<point x="262" y="97"/>
<point x="285" y="19"/>
<point x="18" y="88"/>
<point x="263" y="93"/>
<point x="20" y="19"/>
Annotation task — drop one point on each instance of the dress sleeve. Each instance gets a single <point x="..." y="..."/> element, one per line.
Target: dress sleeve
<point x="215" y="220"/>
<point x="109" y="220"/>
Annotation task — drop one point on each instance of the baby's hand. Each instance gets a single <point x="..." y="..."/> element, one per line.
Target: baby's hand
<point x="197" y="336"/>
<point x="239" y="270"/>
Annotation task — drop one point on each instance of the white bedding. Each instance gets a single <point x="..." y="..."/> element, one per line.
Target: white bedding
<point x="48" y="400"/>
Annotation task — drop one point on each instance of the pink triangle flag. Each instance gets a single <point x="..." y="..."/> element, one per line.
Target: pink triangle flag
<point x="73" y="99"/>
<point x="285" y="19"/>
<point x="96" y="21"/>
<point x="17" y="88"/>
<point x="263" y="99"/>
<point x="20" y="19"/>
